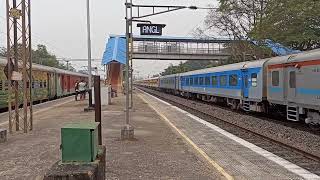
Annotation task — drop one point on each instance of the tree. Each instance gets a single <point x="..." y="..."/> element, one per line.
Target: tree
<point x="295" y="24"/>
<point x="42" y="56"/>
<point x="236" y="18"/>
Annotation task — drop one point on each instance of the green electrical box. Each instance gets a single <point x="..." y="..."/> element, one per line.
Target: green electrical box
<point x="79" y="142"/>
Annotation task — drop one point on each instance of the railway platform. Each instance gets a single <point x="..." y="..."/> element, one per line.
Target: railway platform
<point x="169" y="144"/>
<point x="231" y="156"/>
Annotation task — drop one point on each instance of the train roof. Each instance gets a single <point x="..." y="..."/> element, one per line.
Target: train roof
<point x="305" y="56"/>
<point x="62" y="71"/>
<point x="170" y="75"/>
<point x="228" y="67"/>
<point x="3" y="62"/>
<point x="256" y="64"/>
<point x="153" y="78"/>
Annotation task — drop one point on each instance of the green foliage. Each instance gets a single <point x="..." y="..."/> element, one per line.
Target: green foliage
<point x="42" y="56"/>
<point x="293" y="23"/>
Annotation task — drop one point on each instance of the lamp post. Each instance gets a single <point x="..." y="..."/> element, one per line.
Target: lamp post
<point x="127" y="131"/>
<point x="89" y="53"/>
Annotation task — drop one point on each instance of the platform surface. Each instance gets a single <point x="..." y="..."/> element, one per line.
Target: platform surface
<point x="238" y="158"/>
<point x="29" y="156"/>
<point x="157" y="151"/>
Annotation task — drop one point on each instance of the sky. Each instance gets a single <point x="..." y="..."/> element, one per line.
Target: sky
<point x="61" y="26"/>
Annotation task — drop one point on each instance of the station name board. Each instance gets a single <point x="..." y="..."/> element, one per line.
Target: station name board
<point x="151" y="29"/>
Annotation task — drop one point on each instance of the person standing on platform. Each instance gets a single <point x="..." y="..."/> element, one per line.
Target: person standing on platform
<point x="76" y="89"/>
<point x="86" y="89"/>
<point x="82" y="89"/>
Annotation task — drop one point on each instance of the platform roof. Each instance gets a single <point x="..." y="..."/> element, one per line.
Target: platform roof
<point x="115" y="50"/>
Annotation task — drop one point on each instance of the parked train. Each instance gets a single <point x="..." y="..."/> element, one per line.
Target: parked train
<point x="48" y="83"/>
<point x="289" y="85"/>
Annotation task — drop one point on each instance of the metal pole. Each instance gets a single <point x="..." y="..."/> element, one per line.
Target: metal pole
<point x="127" y="64"/>
<point x="30" y="65"/>
<point x="131" y="60"/>
<point x="9" y="66"/>
<point x="15" y="68"/>
<point x="89" y="53"/>
<point x="97" y="105"/>
<point x="24" y="70"/>
<point x="131" y="84"/>
<point x="127" y="132"/>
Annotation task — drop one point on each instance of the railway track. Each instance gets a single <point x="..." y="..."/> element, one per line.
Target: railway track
<point x="298" y="153"/>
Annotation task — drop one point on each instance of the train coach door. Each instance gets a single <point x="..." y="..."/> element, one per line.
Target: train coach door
<point x="177" y="82"/>
<point x="245" y="83"/>
<point x="290" y="84"/>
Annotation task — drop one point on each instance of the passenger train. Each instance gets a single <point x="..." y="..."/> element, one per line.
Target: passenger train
<point x="289" y="85"/>
<point x="48" y="83"/>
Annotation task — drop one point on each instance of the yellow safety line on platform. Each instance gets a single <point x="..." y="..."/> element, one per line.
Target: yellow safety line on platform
<point x="199" y="150"/>
<point x="41" y="110"/>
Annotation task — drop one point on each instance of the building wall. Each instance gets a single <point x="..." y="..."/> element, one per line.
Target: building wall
<point x="115" y="76"/>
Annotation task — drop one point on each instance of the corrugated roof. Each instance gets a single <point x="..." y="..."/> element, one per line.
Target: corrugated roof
<point x="115" y="50"/>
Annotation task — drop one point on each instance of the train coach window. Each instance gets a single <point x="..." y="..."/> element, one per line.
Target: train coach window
<point x="191" y="81"/>
<point x="196" y="81"/>
<point x="40" y="84"/>
<point x="233" y="80"/>
<point x="223" y="80"/>
<point x="1" y="85"/>
<point x="187" y="81"/>
<point x="292" y="80"/>
<point x="275" y="78"/>
<point x="214" y="80"/>
<point x="201" y="81"/>
<point x="207" y="81"/>
<point x="254" y="79"/>
<point x="45" y="84"/>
